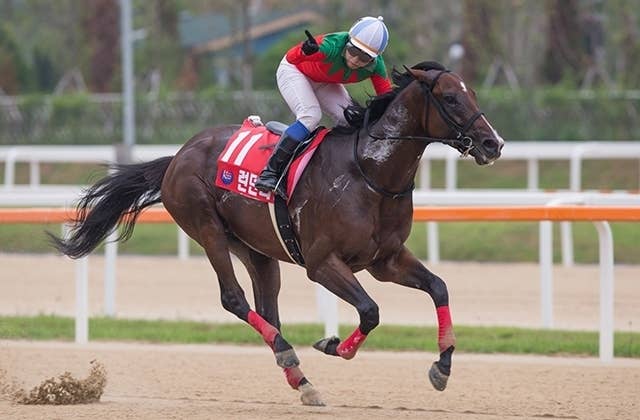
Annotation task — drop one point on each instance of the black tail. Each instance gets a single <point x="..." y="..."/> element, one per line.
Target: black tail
<point x="117" y="199"/>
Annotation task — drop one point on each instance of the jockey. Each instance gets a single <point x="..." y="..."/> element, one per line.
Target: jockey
<point x="311" y="79"/>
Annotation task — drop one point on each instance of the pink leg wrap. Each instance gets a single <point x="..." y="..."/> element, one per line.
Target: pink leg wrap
<point x="348" y="348"/>
<point x="266" y="330"/>
<point x="446" y="338"/>
<point x="294" y="376"/>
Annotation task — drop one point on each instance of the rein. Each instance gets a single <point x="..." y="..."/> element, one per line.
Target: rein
<point x="462" y="142"/>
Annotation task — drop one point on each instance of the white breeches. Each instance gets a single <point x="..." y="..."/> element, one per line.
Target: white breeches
<point x="308" y="99"/>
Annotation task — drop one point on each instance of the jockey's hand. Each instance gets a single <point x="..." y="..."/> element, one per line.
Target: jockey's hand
<point x="310" y="46"/>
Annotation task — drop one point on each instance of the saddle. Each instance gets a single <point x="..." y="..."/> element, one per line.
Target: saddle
<point x="244" y="157"/>
<point x="247" y="152"/>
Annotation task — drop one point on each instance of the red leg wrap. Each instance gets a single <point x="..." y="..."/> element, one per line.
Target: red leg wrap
<point x="348" y="348"/>
<point x="266" y="330"/>
<point x="294" y="376"/>
<point x="446" y="338"/>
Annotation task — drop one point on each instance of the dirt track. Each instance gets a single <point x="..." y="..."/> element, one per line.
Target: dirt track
<point x="203" y="382"/>
<point x="225" y="382"/>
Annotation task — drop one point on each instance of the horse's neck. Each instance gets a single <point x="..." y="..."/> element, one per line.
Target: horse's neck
<point x="392" y="163"/>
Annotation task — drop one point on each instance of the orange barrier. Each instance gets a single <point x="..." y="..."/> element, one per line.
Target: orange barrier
<point x="61" y="215"/>
<point x="420" y="214"/>
<point x="527" y="213"/>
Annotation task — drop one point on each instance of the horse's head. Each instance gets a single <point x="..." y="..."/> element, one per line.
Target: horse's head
<point x="452" y="113"/>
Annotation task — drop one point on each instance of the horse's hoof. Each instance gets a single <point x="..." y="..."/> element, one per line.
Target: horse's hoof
<point x="328" y="345"/>
<point x="309" y="396"/>
<point x="437" y="378"/>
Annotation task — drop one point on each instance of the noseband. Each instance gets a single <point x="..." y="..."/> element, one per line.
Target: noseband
<point x="462" y="142"/>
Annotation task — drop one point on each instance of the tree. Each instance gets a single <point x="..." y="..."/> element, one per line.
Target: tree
<point x="14" y="71"/>
<point x="480" y="37"/>
<point x="103" y="33"/>
<point x="565" y="56"/>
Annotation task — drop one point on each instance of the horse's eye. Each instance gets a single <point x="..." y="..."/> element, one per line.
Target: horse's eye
<point x="450" y="99"/>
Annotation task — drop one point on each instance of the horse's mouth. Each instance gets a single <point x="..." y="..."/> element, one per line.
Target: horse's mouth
<point x="481" y="158"/>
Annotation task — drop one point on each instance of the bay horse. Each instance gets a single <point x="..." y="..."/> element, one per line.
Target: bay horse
<point x="351" y="211"/>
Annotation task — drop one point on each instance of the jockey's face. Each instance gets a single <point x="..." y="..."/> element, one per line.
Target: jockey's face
<point x="355" y="57"/>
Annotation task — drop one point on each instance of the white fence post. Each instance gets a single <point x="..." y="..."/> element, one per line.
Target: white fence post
<point x="327" y="310"/>
<point x="183" y="245"/>
<point x="546" y="273"/>
<point x="110" y="278"/>
<point x="82" y="300"/>
<point x="433" y="243"/>
<point x="532" y="175"/>
<point x="605" y="239"/>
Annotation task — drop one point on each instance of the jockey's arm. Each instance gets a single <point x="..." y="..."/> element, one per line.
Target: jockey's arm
<point x="380" y="84"/>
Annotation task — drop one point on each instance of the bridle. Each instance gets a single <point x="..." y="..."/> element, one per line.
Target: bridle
<point x="462" y="142"/>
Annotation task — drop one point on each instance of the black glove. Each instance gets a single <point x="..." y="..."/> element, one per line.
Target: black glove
<point x="309" y="46"/>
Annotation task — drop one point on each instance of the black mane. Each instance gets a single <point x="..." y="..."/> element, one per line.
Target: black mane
<point x="376" y="105"/>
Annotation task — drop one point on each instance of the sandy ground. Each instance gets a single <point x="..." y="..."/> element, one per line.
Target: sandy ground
<point x="230" y="382"/>
<point x="227" y="382"/>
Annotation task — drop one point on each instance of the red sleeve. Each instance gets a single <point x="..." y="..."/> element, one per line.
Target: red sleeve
<point x="380" y="84"/>
<point x="296" y="56"/>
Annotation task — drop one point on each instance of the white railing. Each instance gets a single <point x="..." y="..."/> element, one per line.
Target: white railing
<point x="533" y="152"/>
<point x="530" y="151"/>
<point x="34" y="155"/>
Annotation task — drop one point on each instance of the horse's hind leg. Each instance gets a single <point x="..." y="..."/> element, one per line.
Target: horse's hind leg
<point x="406" y="270"/>
<point x="265" y="277"/>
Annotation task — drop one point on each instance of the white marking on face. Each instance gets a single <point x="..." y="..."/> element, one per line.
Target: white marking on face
<point x="495" y="133"/>
<point x="463" y="86"/>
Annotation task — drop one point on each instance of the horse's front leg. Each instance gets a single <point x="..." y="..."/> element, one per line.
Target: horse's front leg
<point x="338" y="278"/>
<point x="405" y="269"/>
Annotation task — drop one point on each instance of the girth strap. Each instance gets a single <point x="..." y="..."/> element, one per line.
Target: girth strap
<point x="284" y="229"/>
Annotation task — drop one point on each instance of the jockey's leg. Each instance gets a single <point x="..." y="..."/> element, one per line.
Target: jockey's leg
<point x="287" y="144"/>
<point x="338" y="278"/>
<point x="333" y="99"/>
<point x="405" y="269"/>
<point x="298" y="92"/>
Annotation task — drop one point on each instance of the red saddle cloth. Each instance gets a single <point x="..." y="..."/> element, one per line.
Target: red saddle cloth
<point x="246" y="154"/>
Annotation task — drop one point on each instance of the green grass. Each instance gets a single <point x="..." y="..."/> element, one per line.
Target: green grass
<point x="397" y="338"/>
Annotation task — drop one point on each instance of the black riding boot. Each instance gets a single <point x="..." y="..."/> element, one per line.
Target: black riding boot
<point x="277" y="162"/>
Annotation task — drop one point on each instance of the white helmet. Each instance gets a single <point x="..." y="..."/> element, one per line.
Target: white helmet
<point x="370" y="35"/>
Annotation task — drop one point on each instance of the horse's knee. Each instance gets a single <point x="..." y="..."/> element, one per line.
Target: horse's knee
<point x="438" y="291"/>
<point x="369" y="317"/>
<point x="235" y="303"/>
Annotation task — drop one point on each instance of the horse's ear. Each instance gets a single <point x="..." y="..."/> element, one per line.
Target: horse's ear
<point x="402" y="79"/>
<point x="429" y="65"/>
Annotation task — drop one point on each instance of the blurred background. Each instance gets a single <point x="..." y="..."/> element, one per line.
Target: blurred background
<point x="543" y="70"/>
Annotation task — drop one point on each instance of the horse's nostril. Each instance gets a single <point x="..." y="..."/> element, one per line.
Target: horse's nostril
<point x="491" y="145"/>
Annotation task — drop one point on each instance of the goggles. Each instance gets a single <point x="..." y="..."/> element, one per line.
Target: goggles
<point x="358" y="53"/>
